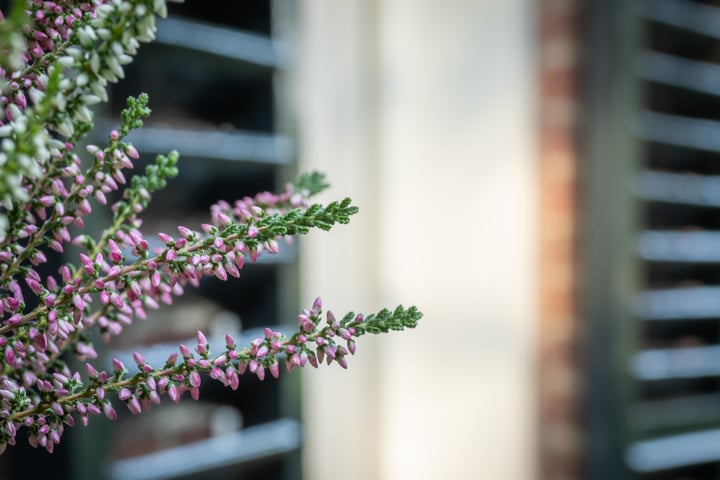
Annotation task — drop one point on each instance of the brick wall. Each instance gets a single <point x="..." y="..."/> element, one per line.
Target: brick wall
<point x="560" y="443"/>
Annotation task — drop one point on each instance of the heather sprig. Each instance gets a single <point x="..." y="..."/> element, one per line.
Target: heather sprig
<point x="315" y="342"/>
<point x="55" y="206"/>
<point x="56" y="60"/>
<point x="75" y="50"/>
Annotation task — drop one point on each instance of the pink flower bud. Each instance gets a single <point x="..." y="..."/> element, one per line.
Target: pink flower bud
<point x="195" y="393"/>
<point x="135" y="237"/>
<point x="232" y="377"/>
<point x="139" y="360"/>
<point x="134" y="291"/>
<point x="330" y="351"/>
<point x="47" y="200"/>
<point x="242" y="366"/>
<point x="124" y="394"/>
<point x="34" y="286"/>
<point x="185" y="351"/>
<point x="115" y="252"/>
<point x="317" y="305"/>
<point x="92" y="372"/>
<point x="344" y="333"/>
<point x="109" y="411"/>
<point x="162" y="384"/>
<point x="133" y="405"/>
<point x="104" y="297"/>
<point x="165" y="238"/>
<point x="185" y="232"/>
<point x="93" y="409"/>
<point x="272" y="246"/>
<point x="172" y="359"/>
<point x="313" y="360"/>
<point x="116" y="300"/>
<point x="194" y="379"/>
<point x="100" y="197"/>
<point x="220" y="273"/>
<point x="291" y="362"/>
<point x="132" y="152"/>
<point x="78" y="302"/>
<point x="232" y="270"/>
<point x="201" y="339"/>
<point x="173" y="393"/>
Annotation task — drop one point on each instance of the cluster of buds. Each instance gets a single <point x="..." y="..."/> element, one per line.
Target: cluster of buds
<point x="57" y="59"/>
<point x="60" y="58"/>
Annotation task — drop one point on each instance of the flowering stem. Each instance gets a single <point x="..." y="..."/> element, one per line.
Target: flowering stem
<point x="294" y="222"/>
<point x="263" y="351"/>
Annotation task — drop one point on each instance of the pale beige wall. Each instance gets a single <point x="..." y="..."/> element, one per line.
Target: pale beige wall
<point x="423" y="112"/>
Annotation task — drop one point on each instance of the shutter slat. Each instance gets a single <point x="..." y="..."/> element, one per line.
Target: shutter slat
<point x="685" y="247"/>
<point x="237" y="146"/>
<point x="679" y="303"/>
<point x="233" y="45"/>
<point x="674" y="363"/>
<point x="675" y="451"/>
<point x="679" y="188"/>
<point x="691" y="16"/>
<point x="213" y="454"/>
<point x="680" y="72"/>
<point x="680" y="131"/>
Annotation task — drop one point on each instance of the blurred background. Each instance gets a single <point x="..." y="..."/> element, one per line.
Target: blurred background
<point x="542" y="179"/>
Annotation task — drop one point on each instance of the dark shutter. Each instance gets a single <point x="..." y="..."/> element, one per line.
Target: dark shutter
<point x="651" y="247"/>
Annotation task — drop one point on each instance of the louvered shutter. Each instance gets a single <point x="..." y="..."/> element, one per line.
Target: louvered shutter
<point x="650" y="253"/>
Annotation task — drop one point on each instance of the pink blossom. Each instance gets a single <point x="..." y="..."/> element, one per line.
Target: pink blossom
<point x="109" y="411"/>
<point x="133" y="405"/>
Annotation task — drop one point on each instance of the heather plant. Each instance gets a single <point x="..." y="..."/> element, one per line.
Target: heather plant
<point x="56" y="61"/>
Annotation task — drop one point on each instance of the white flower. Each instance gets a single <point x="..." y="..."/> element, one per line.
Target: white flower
<point x="36" y="95"/>
<point x="84" y="114"/>
<point x="65" y="127"/>
<point x="66" y="61"/>
<point x="81" y="80"/>
<point x="115" y="66"/>
<point x="87" y="36"/>
<point x="90" y="99"/>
